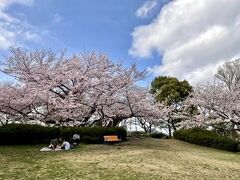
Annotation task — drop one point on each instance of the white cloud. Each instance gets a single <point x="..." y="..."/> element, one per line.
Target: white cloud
<point x="193" y="37"/>
<point x="5" y="3"/>
<point x="15" y="30"/>
<point x="144" y="10"/>
<point x="57" y="18"/>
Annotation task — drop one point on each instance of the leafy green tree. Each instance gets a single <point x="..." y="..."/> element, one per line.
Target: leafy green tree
<point x="171" y="92"/>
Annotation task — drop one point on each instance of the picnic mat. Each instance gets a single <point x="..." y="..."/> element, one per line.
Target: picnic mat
<point x="44" y="149"/>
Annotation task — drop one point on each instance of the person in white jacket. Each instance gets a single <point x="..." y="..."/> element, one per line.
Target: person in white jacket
<point x="65" y="145"/>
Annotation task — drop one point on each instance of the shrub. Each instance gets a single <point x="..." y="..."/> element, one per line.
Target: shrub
<point x="159" y="135"/>
<point x="91" y="140"/>
<point x="238" y="147"/>
<point x="206" y="138"/>
<point x="138" y="134"/>
<point x="16" y="134"/>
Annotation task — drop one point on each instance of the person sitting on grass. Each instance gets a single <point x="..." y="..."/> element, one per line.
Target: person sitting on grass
<point x="53" y="144"/>
<point x="75" y="140"/>
<point x="65" y="145"/>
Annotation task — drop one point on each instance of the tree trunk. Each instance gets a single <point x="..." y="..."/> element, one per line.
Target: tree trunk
<point x="116" y="122"/>
<point x="150" y="129"/>
<point x="169" y="129"/>
<point x="173" y="125"/>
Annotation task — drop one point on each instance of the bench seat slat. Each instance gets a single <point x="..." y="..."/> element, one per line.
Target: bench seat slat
<point x="111" y="138"/>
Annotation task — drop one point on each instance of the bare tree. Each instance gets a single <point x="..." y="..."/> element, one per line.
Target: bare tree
<point x="229" y="73"/>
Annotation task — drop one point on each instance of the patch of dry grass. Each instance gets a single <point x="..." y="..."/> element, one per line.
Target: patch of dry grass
<point x="144" y="158"/>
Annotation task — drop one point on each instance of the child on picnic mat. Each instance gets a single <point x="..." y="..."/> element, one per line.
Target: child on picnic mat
<point x="53" y="144"/>
<point x="65" y="145"/>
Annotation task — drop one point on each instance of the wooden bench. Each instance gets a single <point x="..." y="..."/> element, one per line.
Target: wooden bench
<point x="111" y="139"/>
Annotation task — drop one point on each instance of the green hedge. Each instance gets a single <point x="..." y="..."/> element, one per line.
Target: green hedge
<point x="17" y="134"/>
<point x="159" y="135"/>
<point x="206" y="138"/>
<point x="138" y="134"/>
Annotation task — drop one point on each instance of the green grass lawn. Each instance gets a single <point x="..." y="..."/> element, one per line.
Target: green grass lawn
<point x="144" y="158"/>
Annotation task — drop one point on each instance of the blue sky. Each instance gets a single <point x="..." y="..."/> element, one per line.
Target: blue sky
<point x="77" y="25"/>
<point x="187" y="39"/>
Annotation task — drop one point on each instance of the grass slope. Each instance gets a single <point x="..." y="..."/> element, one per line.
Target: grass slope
<point x="144" y="158"/>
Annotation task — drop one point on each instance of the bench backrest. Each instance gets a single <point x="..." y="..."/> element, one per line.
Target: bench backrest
<point x="110" y="138"/>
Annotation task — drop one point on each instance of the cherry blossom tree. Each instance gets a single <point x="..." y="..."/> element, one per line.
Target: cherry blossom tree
<point x="217" y="108"/>
<point x="16" y="102"/>
<point x="84" y="88"/>
<point x="218" y="104"/>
